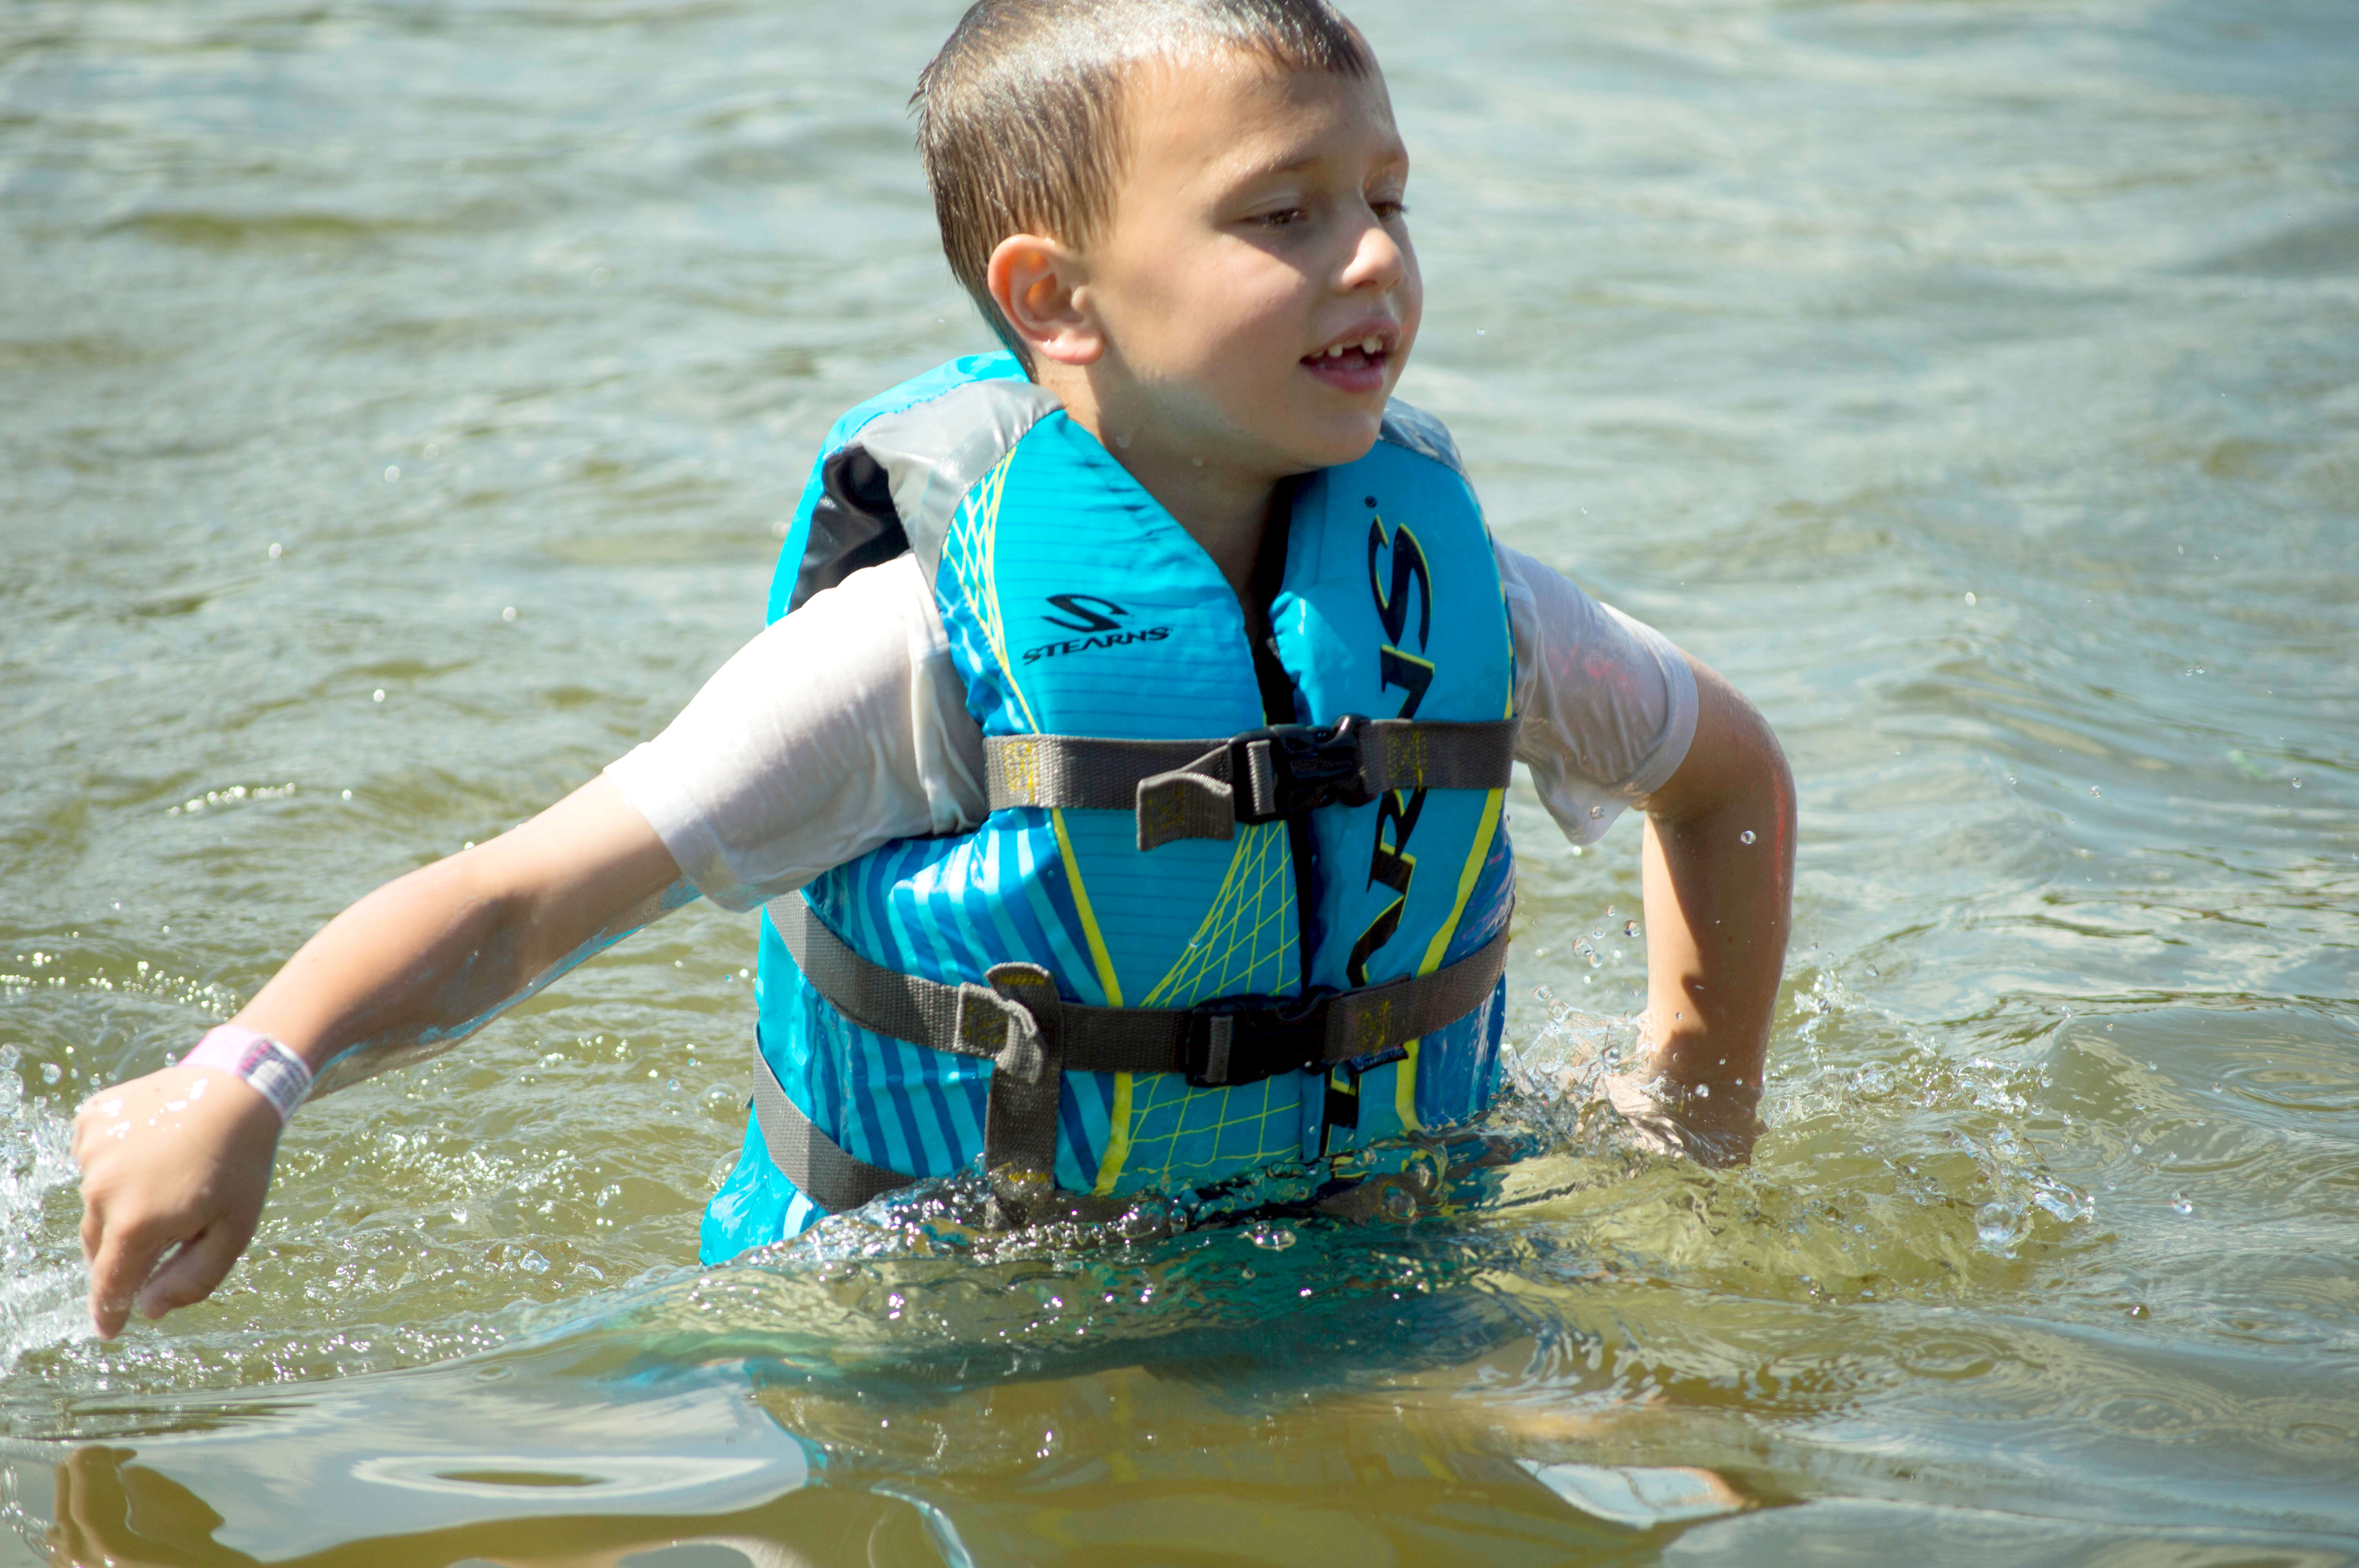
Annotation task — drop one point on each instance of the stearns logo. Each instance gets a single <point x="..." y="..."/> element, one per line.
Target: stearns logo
<point x="1398" y="580"/>
<point x="1101" y="619"/>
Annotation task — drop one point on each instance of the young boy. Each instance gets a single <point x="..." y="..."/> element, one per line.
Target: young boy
<point x="1124" y="787"/>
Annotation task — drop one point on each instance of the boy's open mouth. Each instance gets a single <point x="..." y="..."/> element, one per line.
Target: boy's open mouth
<point x="1356" y="365"/>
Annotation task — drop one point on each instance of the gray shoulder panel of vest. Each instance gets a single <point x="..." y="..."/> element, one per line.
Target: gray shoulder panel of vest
<point x="1416" y="430"/>
<point x="933" y="454"/>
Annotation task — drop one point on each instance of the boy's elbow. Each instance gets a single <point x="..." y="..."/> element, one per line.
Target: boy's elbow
<point x="1734" y="763"/>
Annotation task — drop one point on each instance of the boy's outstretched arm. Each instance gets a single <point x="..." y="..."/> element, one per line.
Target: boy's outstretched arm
<point x="1719" y="883"/>
<point x="172" y="1168"/>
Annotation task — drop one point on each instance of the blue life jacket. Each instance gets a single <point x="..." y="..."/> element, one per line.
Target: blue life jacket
<point x="1074" y="604"/>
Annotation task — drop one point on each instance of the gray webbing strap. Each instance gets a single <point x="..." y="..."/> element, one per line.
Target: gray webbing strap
<point x="1038" y="1035"/>
<point x="815" y="1163"/>
<point x="975" y="1021"/>
<point x="1019" y="1125"/>
<point x="1082" y="774"/>
<point x="1183" y="789"/>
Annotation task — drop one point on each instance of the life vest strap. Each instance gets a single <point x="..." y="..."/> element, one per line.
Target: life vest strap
<point x="1032" y="1036"/>
<point x="1217" y="1044"/>
<point x="815" y="1163"/>
<point x="1202" y="789"/>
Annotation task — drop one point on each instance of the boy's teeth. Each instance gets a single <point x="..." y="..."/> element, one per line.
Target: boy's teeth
<point x="1369" y="346"/>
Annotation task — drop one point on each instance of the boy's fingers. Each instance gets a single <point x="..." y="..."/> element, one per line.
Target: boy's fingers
<point x="126" y="1256"/>
<point x="190" y="1275"/>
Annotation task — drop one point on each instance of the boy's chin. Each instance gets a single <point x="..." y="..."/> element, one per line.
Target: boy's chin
<point x="1336" y="442"/>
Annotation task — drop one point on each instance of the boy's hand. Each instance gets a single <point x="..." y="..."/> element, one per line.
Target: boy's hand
<point x="180" y="1158"/>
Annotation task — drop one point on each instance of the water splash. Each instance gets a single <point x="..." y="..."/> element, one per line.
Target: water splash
<point x="42" y="1281"/>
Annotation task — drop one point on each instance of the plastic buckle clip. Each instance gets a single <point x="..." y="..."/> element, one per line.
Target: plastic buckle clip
<point x="1243" y="1040"/>
<point x="1288" y="769"/>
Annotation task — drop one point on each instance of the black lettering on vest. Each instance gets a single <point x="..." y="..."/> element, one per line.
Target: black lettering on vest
<point x="1408" y="568"/>
<point x="1379" y="932"/>
<point x="1406" y="671"/>
<point x="1106" y="618"/>
<point x="1390" y="863"/>
<point x="1393" y="865"/>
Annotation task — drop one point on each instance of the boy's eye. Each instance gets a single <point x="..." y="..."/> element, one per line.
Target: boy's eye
<point x="1388" y="210"/>
<point x="1284" y="218"/>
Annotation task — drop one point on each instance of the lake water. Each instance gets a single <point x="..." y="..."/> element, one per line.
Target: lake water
<point x="400" y="404"/>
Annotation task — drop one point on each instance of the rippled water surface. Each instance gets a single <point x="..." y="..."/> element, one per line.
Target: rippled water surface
<point x="400" y="404"/>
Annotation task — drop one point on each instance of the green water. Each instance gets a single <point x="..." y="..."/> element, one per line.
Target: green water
<point x="1976" y="383"/>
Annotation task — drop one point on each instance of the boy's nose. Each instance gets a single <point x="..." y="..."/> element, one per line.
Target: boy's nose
<point x="1378" y="260"/>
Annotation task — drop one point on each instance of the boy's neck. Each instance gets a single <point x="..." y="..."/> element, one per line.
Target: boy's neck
<point x="1224" y="510"/>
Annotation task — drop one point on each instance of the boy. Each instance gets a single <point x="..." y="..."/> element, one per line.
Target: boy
<point x="1125" y="786"/>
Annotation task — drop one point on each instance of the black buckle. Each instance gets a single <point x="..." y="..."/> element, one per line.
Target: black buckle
<point x="1244" y="1039"/>
<point x="1286" y="770"/>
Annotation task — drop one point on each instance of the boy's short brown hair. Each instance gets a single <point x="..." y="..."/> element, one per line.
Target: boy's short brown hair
<point x="1019" y="115"/>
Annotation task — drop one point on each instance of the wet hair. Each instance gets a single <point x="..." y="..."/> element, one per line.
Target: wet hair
<point x="1019" y="116"/>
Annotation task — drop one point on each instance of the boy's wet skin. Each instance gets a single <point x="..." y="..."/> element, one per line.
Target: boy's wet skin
<point x="1249" y="310"/>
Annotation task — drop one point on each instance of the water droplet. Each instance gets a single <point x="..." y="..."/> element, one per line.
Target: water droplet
<point x="1541" y="993"/>
<point x="392" y="473"/>
<point x="276" y="551"/>
<point x="1704" y="1091"/>
<point x="508" y="613"/>
<point x="2296" y="784"/>
<point x="1629" y="928"/>
<point x="1397" y="1203"/>
<point x="377" y="695"/>
<point x="2096" y="793"/>
<point x="1271" y="1237"/>
<point x="1996" y="1226"/>
<point x="1596" y="812"/>
<point x="1746" y="836"/>
<point x="2181" y="1204"/>
<point x="51" y="1072"/>
<point x="1969" y="599"/>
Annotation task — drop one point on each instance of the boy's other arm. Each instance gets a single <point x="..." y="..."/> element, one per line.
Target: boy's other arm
<point x="1718" y="869"/>
<point x="179" y="1162"/>
<point x="1614" y="716"/>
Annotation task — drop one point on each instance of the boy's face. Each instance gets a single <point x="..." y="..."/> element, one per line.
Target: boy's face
<point x="1257" y="231"/>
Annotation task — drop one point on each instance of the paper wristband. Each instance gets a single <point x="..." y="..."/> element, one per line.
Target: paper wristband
<point x="276" y="1074"/>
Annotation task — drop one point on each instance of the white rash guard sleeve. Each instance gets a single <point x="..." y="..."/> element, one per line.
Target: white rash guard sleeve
<point x="844" y="726"/>
<point x="1608" y="703"/>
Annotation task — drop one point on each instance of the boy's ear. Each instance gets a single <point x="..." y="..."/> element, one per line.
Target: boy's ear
<point x="1038" y="285"/>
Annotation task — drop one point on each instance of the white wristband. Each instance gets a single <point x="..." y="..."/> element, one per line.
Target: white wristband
<point x="276" y="1073"/>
